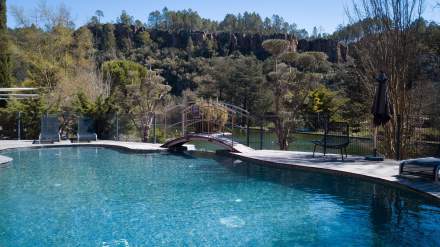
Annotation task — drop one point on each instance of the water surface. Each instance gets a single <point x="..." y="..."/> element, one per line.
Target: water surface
<point x="102" y="197"/>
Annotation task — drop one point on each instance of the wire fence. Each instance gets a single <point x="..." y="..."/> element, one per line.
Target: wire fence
<point x="421" y="138"/>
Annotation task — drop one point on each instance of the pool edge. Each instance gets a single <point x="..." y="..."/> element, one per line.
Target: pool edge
<point x="154" y="148"/>
<point x="397" y="184"/>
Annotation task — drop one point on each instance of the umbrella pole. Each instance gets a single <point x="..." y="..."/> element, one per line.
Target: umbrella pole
<point x="374" y="157"/>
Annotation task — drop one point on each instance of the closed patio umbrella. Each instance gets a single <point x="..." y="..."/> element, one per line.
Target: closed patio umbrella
<point x="381" y="109"/>
<point x="381" y="106"/>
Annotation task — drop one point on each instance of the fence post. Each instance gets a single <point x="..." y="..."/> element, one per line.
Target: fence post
<point x="117" y="126"/>
<point x="232" y="131"/>
<point x="247" y="133"/>
<point x="154" y="128"/>
<point x="398" y="137"/>
<point x="183" y="123"/>
<point x="165" y="128"/>
<point x="261" y="135"/>
<point x="19" y="126"/>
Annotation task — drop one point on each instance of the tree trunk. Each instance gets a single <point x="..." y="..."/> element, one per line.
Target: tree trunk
<point x="282" y="133"/>
<point x="145" y="133"/>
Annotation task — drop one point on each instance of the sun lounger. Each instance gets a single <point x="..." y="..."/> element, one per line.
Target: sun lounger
<point x="423" y="167"/>
<point x="86" y="132"/>
<point x="50" y="130"/>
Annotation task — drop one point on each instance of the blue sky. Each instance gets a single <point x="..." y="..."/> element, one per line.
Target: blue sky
<point x="327" y="14"/>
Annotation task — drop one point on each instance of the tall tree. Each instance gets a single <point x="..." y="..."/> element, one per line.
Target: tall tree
<point x="142" y="100"/>
<point x="141" y="39"/>
<point x="140" y="92"/>
<point x="5" y="58"/>
<point x="108" y="41"/>
<point x="237" y="80"/>
<point x="154" y="19"/>
<point x="100" y="14"/>
<point x="389" y="43"/>
<point x="125" y="19"/>
<point x="290" y="83"/>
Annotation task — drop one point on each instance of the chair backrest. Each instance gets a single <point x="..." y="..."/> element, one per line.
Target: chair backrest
<point x="50" y="126"/>
<point x="86" y="126"/>
<point x="336" y="133"/>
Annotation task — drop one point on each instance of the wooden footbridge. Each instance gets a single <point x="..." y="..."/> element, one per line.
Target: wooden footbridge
<point x="209" y="121"/>
<point x="217" y="138"/>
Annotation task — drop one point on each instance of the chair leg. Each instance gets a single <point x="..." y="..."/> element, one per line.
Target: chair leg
<point x="342" y="154"/>
<point x="314" y="150"/>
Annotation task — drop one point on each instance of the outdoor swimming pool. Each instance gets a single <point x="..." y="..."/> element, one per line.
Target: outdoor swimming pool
<point x="103" y="197"/>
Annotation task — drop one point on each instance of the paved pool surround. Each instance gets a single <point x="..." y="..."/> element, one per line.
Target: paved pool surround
<point x="386" y="171"/>
<point x="4" y="160"/>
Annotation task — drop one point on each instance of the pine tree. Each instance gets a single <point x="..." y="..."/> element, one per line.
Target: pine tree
<point x="108" y="39"/>
<point x="5" y="59"/>
<point x="190" y="46"/>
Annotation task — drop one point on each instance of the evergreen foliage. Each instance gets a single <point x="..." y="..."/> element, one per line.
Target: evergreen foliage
<point x="5" y="58"/>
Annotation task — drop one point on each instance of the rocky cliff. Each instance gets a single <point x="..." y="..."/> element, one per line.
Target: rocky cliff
<point x="224" y="43"/>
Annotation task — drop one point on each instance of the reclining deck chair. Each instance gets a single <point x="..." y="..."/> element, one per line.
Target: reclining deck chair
<point x="50" y="130"/>
<point x="86" y="131"/>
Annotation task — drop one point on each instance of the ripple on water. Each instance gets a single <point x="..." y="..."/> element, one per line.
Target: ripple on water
<point x="116" y="243"/>
<point x="232" y="222"/>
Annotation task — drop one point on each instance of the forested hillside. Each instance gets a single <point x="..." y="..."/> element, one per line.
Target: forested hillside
<point x="181" y="45"/>
<point x="258" y="64"/>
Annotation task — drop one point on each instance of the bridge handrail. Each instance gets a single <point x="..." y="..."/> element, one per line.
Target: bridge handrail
<point x="230" y="144"/>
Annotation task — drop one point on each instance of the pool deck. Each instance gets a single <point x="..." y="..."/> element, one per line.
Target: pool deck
<point x="4" y="160"/>
<point x="385" y="171"/>
<point x="131" y="146"/>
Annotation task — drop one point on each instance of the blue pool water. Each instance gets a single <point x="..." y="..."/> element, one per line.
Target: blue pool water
<point x="103" y="197"/>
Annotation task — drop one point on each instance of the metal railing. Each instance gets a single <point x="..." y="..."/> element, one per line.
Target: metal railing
<point x="421" y="138"/>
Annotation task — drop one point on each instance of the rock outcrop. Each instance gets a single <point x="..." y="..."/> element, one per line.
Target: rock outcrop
<point x="336" y="51"/>
<point x="224" y="43"/>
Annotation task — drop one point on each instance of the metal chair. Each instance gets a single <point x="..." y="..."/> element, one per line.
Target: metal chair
<point x="336" y="136"/>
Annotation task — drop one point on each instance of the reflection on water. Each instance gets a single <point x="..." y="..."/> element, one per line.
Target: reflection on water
<point x="395" y="215"/>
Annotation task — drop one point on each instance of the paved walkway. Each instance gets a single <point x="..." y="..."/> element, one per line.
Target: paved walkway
<point x="355" y="166"/>
<point x="133" y="146"/>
